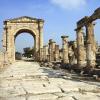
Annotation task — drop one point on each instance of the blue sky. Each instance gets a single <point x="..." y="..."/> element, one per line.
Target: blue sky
<point x="60" y="17"/>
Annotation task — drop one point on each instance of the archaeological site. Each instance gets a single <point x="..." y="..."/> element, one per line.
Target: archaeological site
<point x="70" y="71"/>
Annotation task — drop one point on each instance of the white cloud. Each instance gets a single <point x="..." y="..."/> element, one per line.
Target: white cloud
<point x="69" y="4"/>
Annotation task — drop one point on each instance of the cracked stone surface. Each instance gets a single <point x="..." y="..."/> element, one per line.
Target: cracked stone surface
<point x="28" y="81"/>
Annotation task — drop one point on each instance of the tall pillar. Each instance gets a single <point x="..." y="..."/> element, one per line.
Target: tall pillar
<point x="75" y="52"/>
<point x="45" y="52"/>
<point x="9" y="46"/>
<point x="40" y="38"/>
<point x="65" y="49"/>
<point x="51" y="50"/>
<point x="56" y="52"/>
<point x="40" y="27"/>
<point x="80" y="49"/>
<point x="41" y="54"/>
<point x="90" y="45"/>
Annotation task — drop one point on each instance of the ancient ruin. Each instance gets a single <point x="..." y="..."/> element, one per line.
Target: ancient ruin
<point x="58" y="72"/>
<point x="16" y="26"/>
<point x="90" y="51"/>
<point x="81" y="52"/>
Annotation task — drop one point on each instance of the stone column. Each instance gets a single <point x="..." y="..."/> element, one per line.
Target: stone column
<point x="56" y="52"/>
<point x="65" y="49"/>
<point x="4" y="38"/>
<point x="46" y="52"/>
<point x="48" y="56"/>
<point x="80" y="49"/>
<point x="40" y="29"/>
<point x="51" y="50"/>
<point x="13" y="48"/>
<point x="60" y="54"/>
<point x="9" y="45"/>
<point x="90" y="45"/>
<point x="41" y="54"/>
<point x="75" y="52"/>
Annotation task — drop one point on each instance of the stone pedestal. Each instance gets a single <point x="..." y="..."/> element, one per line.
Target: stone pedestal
<point x="81" y="58"/>
<point x="90" y="46"/>
<point x="65" y="49"/>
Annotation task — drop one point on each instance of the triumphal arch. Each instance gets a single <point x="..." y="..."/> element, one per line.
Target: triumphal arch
<point x="16" y="26"/>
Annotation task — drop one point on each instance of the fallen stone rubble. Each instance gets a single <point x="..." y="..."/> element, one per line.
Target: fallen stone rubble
<point x="94" y="73"/>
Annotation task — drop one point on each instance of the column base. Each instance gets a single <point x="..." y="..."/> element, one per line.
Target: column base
<point x="91" y="64"/>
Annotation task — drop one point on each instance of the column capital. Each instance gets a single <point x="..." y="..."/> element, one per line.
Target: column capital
<point x="50" y="40"/>
<point x="64" y="36"/>
<point x="79" y="29"/>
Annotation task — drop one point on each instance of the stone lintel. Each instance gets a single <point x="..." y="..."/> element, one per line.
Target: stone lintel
<point x="82" y="22"/>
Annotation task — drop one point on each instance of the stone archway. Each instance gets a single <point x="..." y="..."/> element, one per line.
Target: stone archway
<point x="23" y="32"/>
<point x="14" y="27"/>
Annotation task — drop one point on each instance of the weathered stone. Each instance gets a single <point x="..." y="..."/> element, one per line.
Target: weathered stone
<point x="56" y="58"/>
<point x="14" y="27"/>
<point x="65" y="49"/>
<point x="72" y="53"/>
<point x="30" y="81"/>
<point x="90" y="46"/>
<point x="45" y="53"/>
<point x="80" y="49"/>
<point x="51" y="50"/>
<point x="90" y="40"/>
<point x="43" y="97"/>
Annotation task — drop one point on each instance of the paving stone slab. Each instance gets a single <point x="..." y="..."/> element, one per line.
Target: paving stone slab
<point x="13" y="98"/>
<point x="12" y="91"/>
<point x="43" y="97"/>
<point x="39" y="88"/>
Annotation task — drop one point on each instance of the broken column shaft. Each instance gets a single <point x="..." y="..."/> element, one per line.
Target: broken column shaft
<point x="56" y="52"/>
<point x="45" y="52"/>
<point x="51" y="50"/>
<point x="65" y="49"/>
<point x="80" y="49"/>
<point x="90" y="45"/>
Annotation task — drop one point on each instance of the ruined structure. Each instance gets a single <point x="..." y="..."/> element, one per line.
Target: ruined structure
<point x="90" y="40"/>
<point x="72" y="53"/>
<point x="14" y="27"/>
<point x="51" y="50"/>
<point x="56" y="53"/>
<point x="65" y="49"/>
<point x="81" y="52"/>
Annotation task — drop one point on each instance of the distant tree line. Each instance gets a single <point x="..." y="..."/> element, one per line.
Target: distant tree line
<point x="28" y="52"/>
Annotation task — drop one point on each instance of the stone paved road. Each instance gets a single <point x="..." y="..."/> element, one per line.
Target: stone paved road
<point x="29" y="81"/>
